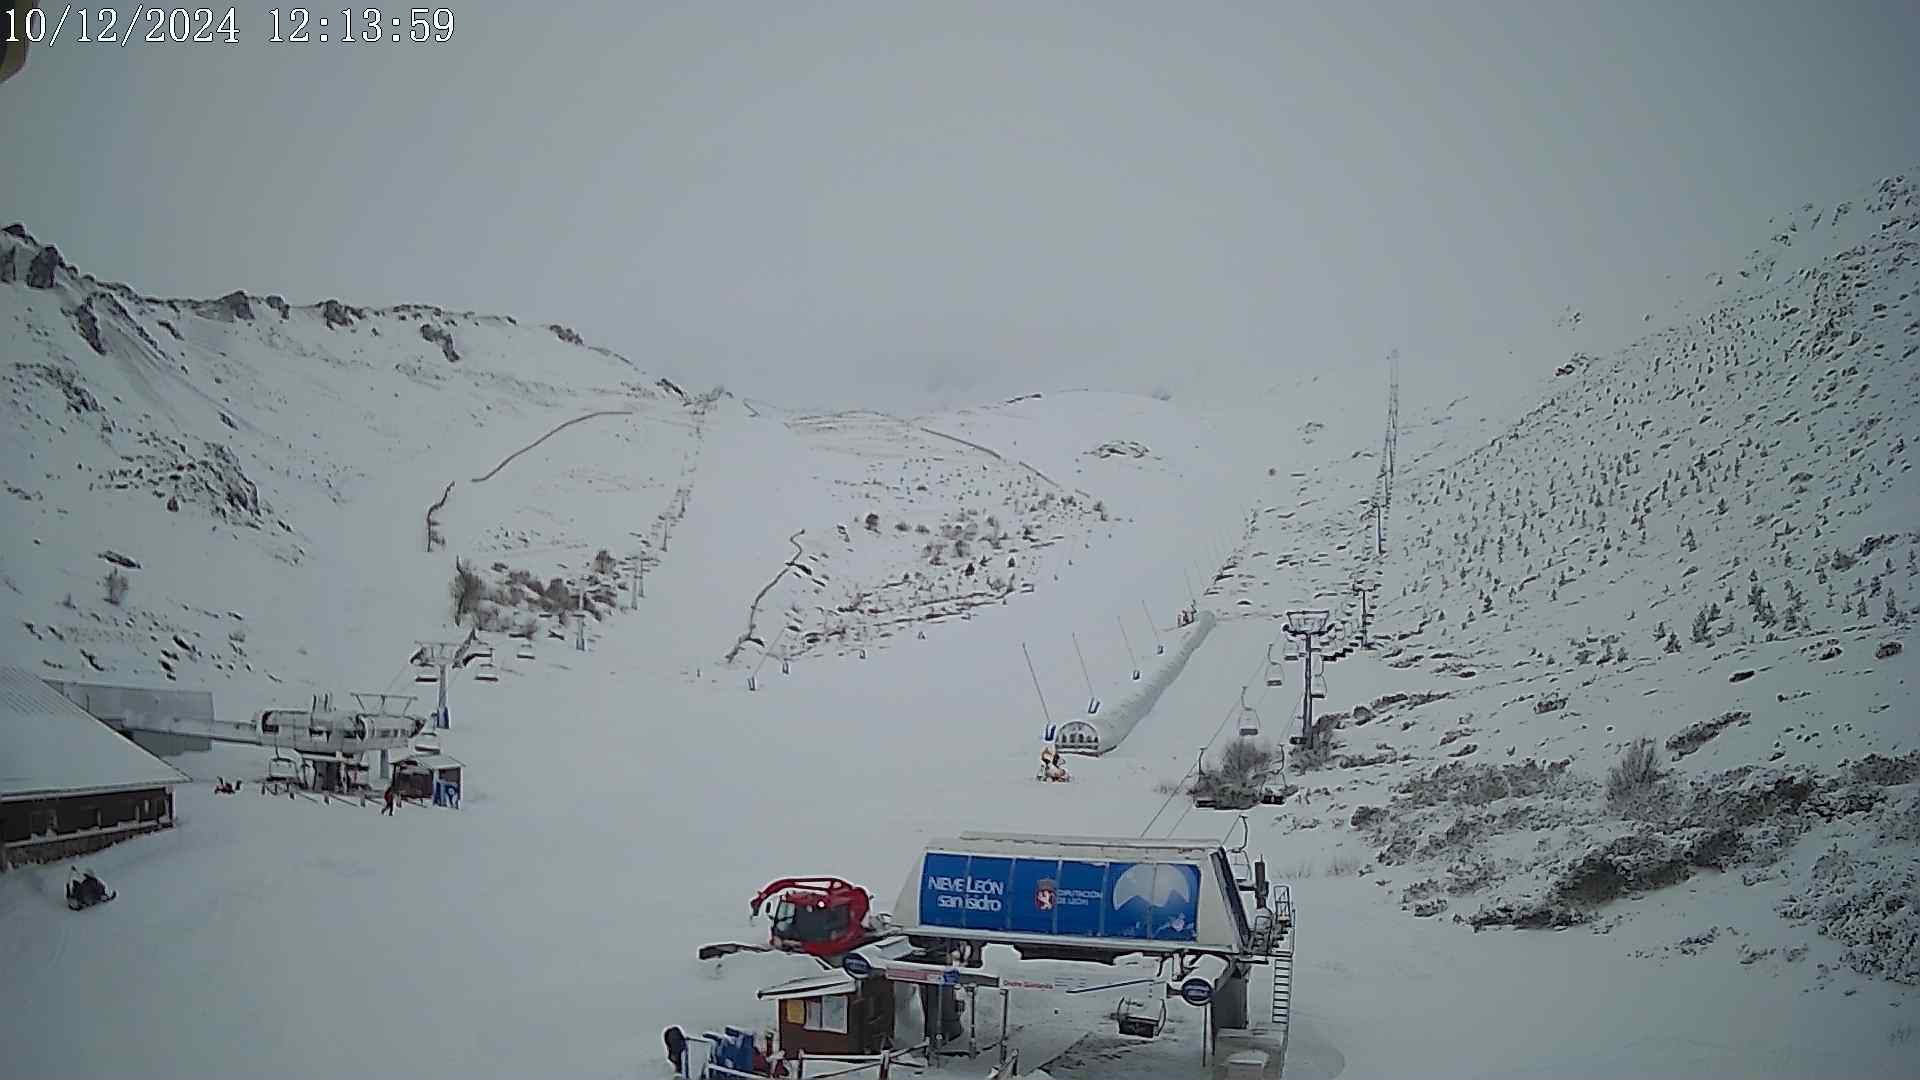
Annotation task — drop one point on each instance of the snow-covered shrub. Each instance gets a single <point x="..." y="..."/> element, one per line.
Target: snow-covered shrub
<point x="1865" y="903"/>
<point x="1637" y="775"/>
<point x="1342" y="864"/>
<point x="116" y="585"/>
<point x="1889" y="772"/>
<point x="1238" y="774"/>
<point x="465" y="590"/>
<point x="1697" y="734"/>
<point x="1320" y="754"/>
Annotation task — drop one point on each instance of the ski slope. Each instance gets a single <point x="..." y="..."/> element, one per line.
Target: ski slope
<point x="623" y="803"/>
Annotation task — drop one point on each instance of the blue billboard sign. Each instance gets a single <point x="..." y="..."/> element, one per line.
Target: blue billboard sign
<point x="1061" y="897"/>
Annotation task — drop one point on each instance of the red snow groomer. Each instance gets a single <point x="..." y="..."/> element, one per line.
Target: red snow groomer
<point x="824" y="917"/>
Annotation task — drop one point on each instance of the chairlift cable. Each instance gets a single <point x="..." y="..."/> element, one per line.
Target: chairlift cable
<point x="1231" y="712"/>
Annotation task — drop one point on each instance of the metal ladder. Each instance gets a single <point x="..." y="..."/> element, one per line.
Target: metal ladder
<point x="1282" y="966"/>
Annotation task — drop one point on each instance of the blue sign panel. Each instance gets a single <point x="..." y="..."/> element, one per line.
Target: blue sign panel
<point x="943" y="890"/>
<point x="987" y="880"/>
<point x="1082" y="898"/>
<point x="1153" y="901"/>
<point x="1033" y="896"/>
<point x="1142" y="901"/>
<point x="856" y="965"/>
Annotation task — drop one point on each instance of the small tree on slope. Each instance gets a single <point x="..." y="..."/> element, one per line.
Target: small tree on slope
<point x="465" y="590"/>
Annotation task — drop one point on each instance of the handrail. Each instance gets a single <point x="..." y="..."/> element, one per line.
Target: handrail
<point x="863" y="1063"/>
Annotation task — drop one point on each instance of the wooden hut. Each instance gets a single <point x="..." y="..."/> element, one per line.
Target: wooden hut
<point x="414" y="776"/>
<point x="833" y="1013"/>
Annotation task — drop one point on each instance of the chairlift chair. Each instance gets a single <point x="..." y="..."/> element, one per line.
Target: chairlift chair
<point x="283" y="768"/>
<point x="486" y="672"/>
<point x="1249" y="719"/>
<point x="525" y="651"/>
<point x="1138" y="1019"/>
<point x="426" y="675"/>
<point x="1237" y="857"/>
<point x="1275" y="672"/>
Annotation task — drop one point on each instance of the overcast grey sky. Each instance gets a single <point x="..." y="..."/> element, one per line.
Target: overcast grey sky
<point x="902" y="204"/>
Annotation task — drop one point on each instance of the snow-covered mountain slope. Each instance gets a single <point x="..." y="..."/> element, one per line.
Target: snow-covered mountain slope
<point x="295" y="447"/>
<point x="1706" y="541"/>
<point x="250" y="460"/>
<point x="620" y="802"/>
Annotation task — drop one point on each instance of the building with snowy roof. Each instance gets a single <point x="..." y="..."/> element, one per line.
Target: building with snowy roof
<point x="70" y="784"/>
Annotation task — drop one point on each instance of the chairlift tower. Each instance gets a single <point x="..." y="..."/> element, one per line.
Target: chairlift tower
<point x="580" y="613"/>
<point x="1365" y="589"/>
<point x="437" y="656"/>
<point x="1306" y="625"/>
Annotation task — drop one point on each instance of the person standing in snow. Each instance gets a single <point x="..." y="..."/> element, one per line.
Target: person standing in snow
<point x="392" y="795"/>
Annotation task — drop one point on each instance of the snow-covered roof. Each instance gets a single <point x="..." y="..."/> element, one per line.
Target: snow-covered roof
<point x="50" y="747"/>
<point x="824" y="984"/>
<point x="430" y="761"/>
<point x="1106" y="846"/>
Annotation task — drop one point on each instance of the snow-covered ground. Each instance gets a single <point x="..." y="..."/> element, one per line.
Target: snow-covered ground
<point x="271" y="475"/>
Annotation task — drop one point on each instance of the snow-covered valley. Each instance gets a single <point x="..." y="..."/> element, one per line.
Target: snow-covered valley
<point x="1706" y="540"/>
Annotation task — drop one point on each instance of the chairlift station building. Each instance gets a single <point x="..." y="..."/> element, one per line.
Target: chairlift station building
<point x="70" y="784"/>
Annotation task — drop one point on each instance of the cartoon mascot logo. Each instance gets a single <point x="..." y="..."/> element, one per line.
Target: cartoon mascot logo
<point x="1043" y="896"/>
